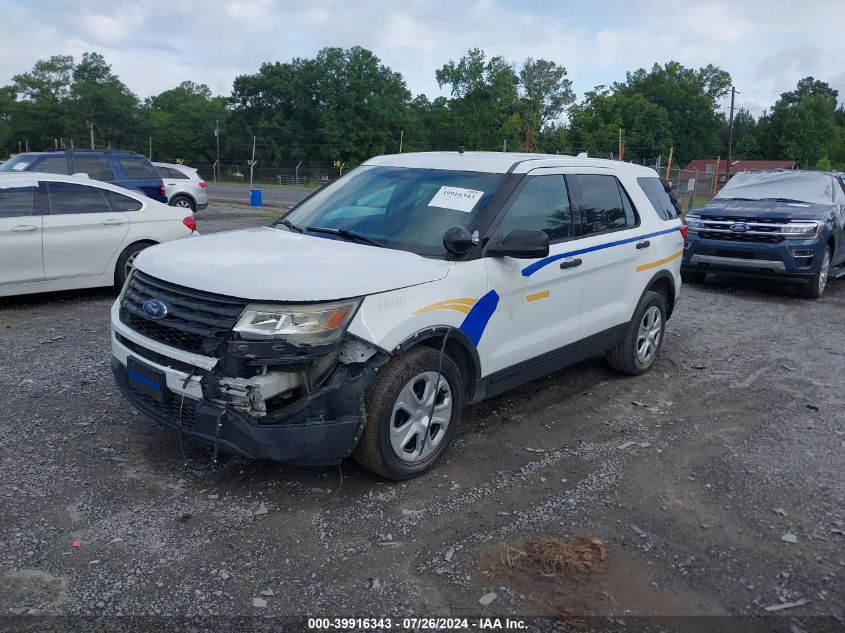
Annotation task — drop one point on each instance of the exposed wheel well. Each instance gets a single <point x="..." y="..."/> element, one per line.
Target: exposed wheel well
<point x="832" y="244"/>
<point x="665" y="287"/>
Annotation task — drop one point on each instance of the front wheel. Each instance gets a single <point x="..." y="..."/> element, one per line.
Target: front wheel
<point x="818" y="282"/>
<point x="644" y="338"/>
<point x="411" y="417"/>
<point x="125" y="261"/>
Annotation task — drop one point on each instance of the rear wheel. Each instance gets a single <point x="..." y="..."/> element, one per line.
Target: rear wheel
<point x="693" y="277"/>
<point x="125" y="261"/>
<point x="184" y="202"/>
<point x="404" y="436"/>
<point x="643" y="339"/>
<point x="818" y="282"/>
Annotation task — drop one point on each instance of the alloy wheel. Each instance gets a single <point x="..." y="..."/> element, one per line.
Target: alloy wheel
<point x="414" y="432"/>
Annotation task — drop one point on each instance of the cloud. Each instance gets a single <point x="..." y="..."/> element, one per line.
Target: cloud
<point x="766" y="45"/>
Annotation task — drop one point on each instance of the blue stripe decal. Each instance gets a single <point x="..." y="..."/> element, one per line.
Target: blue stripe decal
<point x="477" y="318"/>
<point x="143" y="379"/>
<point x="533" y="268"/>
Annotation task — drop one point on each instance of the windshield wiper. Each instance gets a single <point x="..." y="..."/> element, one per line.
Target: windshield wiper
<point x="290" y="225"/>
<point x="783" y="200"/>
<point x="349" y="235"/>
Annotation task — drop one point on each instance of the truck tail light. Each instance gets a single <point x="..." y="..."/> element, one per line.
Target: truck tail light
<point x="202" y="184"/>
<point x="161" y="188"/>
<point x="684" y="231"/>
<point x="190" y="222"/>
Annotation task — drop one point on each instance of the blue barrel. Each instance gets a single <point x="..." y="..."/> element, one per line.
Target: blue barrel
<point x="255" y="197"/>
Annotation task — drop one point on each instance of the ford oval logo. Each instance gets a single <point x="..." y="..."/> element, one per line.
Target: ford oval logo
<point x="739" y="227"/>
<point x="155" y="308"/>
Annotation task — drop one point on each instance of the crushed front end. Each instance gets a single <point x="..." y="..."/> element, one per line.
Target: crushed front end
<point x="267" y="381"/>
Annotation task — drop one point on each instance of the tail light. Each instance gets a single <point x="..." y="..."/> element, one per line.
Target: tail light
<point x="684" y="231"/>
<point x="202" y="184"/>
<point x="190" y="222"/>
<point x="161" y="188"/>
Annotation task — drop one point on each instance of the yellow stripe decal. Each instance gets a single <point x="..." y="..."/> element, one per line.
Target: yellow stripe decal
<point x="537" y="296"/>
<point x="461" y="305"/>
<point x="659" y="262"/>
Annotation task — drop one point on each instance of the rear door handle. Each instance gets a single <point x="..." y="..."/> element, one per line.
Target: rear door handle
<point x="112" y="222"/>
<point x="24" y="228"/>
<point x="570" y="263"/>
<point x="644" y="244"/>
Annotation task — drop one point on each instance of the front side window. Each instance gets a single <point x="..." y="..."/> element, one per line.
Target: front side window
<point x="137" y="168"/>
<point x="51" y="165"/>
<point x="97" y="167"/>
<point x="541" y="205"/>
<point x="67" y="198"/>
<point x="400" y="207"/>
<point x="606" y="206"/>
<point x="16" y="201"/>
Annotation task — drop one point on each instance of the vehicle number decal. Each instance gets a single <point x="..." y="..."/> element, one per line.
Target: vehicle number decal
<point x="456" y="198"/>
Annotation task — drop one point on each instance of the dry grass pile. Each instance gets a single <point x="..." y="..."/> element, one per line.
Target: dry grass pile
<point x="553" y="557"/>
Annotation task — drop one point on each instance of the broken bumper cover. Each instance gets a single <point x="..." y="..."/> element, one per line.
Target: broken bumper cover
<point x="321" y="428"/>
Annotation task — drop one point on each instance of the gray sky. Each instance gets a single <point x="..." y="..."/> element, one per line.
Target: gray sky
<point x="766" y="45"/>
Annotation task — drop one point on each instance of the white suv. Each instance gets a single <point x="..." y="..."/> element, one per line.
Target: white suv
<point x="367" y="319"/>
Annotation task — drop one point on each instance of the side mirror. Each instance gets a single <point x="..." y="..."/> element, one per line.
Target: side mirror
<point x="520" y="244"/>
<point x="457" y="240"/>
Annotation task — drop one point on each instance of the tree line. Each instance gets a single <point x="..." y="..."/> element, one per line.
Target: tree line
<point x="345" y="105"/>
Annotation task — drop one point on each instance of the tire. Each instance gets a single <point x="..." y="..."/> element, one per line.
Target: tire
<point x="818" y="282"/>
<point x="644" y="334"/>
<point x="124" y="262"/>
<point x="399" y="383"/>
<point x="183" y="202"/>
<point x="693" y="277"/>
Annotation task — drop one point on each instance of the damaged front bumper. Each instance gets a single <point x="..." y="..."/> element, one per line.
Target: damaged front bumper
<point x="268" y="416"/>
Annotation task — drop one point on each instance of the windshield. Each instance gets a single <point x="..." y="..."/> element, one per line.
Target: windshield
<point x="797" y="186"/>
<point x="398" y="207"/>
<point x="16" y="163"/>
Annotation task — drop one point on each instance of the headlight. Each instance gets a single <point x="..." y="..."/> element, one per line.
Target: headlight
<point x="694" y="222"/>
<point x="309" y="324"/>
<point x="801" y="229"/>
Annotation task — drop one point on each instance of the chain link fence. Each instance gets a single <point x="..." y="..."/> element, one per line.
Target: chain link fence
<point x="297" y="174"/>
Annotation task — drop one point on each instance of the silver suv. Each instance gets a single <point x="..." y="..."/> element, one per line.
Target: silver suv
<point x="183" y="186"/>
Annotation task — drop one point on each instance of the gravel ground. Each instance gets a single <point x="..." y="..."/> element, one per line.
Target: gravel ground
<point x="716" y="482"/>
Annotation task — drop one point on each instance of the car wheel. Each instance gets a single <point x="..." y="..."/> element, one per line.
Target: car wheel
<point x="125" y="262"/>
<point x="184" y="202"/>
<point x="692" y="277"/>
<point x="818" y="282"/>
<point x="399" y="439"/>
<point x="644" y="338"/>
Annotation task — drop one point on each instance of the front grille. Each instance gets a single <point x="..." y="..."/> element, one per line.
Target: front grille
<point x="740" y="237"/>
<point x="196" y="321"/>
<point x="169" y="410"/>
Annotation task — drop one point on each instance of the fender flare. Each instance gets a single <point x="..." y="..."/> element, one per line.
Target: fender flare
<point x="455" y="334"/>
<point x="659" y="275"/>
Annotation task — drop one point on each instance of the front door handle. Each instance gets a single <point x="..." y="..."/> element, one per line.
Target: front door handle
<point x="644" y="244"/>
<point x="24" y="228"/>
<point x="570" y="263"/>
<point x="112" y="222"/>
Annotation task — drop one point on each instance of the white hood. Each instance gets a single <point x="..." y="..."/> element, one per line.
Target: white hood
<point x="276" y="265"/>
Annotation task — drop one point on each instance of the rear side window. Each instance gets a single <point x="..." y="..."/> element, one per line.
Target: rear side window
<point x="121" y="203"/>
<point x="16" y="201"/>
<point x="606" y="206"/>
<point x="173" y="173"/>
<point x="659" y="198"/>
<point x="138" y="168"/>
<point x="541" y="205"/>
<point x="51" y="165"/>
<point x="97" y="167"/>
<point x="67" y="198"/>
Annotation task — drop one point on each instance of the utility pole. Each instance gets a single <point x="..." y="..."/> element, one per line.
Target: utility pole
<point x="401" y="136"/>
<point x="150" y="157"/>
<point x="91" y="126"/>
<point x="730" y="135"/>
<point x="217" y="137"/>
<point x="505" y="145"/>
<point x="620" y="144"/>
<point x="252" y="162"/>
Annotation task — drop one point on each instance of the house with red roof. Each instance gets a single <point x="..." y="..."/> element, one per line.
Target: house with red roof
<point x="702" y="170"/>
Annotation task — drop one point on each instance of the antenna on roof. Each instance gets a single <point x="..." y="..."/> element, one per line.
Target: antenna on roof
<point x="461" y="149"/>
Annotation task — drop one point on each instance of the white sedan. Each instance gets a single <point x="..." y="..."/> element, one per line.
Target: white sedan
<point x="64" y="232"/>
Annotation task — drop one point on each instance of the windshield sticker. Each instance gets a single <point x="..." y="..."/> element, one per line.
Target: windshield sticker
<point x="19" y="166"/>
<point x="456" y="198"/>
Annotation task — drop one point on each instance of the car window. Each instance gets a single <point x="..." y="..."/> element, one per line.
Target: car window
<point x="606" y="206"/>
<point x="175" y="173"/>
<point x="137" y="168"/>
<point x="119" y="202"/>
<point x="541" y="205"/>
<point x="16" y="201"/>
<point x="66" y="198"/>
<point x="51" y="165"/>
<point x="659" y="198"/>
<point x="97" y="167"/>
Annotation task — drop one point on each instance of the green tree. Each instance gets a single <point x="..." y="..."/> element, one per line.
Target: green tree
<point x="39" y="114"/>
<point x="545" y="93"/>
<point x="746" y="145"/>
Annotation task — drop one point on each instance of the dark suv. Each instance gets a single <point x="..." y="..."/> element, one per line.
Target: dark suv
<point x="781" y="224"/>
<point x="123" y="168"/>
